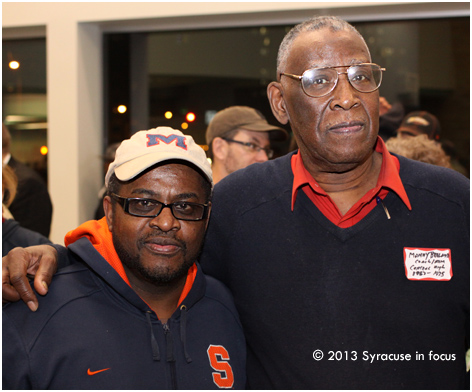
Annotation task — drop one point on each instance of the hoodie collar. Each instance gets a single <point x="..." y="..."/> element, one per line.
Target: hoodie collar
<point x="100" y="237"/>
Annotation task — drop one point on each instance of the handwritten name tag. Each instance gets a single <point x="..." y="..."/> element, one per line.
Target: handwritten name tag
<point x="427" y="264"/>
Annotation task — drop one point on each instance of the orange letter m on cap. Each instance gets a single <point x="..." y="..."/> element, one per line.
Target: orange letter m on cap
<point x="223" y="377"/>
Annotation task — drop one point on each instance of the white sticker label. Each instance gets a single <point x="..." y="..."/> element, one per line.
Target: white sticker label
<point x="427" y="264"/>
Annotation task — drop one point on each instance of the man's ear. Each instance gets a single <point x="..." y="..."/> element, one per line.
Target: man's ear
<point x="108" y="208"/>
<point x="219" y="148"/>
<point x="277" y="102"/>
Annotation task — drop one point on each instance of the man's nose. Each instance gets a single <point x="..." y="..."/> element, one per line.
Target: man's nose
<point x="165" y="221"/>
<point x="345" y="96"/>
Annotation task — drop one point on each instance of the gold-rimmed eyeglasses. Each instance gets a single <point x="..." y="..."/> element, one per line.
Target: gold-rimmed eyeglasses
<point x="318" y="82"/>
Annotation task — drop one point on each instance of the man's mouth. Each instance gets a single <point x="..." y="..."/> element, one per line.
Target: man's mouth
<point x="163" y="245"/>
<point x="347" y="127"/>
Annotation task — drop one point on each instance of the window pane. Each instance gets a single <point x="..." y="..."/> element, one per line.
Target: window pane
<point x="428" y="68"/>
<point x="203" y="71"/>
<point x="24" y="100"/>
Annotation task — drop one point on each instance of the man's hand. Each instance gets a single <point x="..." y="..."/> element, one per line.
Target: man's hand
<point x="18" y="264"/>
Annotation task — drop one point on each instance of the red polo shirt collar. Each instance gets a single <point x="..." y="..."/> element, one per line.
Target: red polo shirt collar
<point x="389" y="180"/>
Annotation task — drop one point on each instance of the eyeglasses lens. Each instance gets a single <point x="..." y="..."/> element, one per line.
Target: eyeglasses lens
<point x="144" y="207"/>
<point x="365" y="78"/>
<point x="320" y="81"/>
<point x="184" y="211"/>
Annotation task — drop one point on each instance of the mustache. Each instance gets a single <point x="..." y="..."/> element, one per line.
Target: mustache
<point x="162" y="238"/>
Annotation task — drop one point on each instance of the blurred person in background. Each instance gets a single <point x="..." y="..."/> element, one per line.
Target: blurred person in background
<point x="32" y="207"/>
<point x="390" y="118"/>
<point x="13" y="234"/>
<point x="420" y="148"/>
<point x="9" y="185"/>
<point x="425" y="123"/>
<point x="420" y="123"/>
<point x="450" y="149"/>
<point x="239" y="136"/>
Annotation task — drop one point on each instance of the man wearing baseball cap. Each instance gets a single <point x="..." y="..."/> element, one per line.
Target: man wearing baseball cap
<point x="239" y="136"/>
<point x="420" y="123"/>
<point x="133" y="310"/>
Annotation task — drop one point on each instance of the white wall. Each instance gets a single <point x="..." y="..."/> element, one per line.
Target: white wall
<point x="74" y="65"/>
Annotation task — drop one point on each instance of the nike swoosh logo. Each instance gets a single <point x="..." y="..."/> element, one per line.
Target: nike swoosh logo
<point x="90" y="373"/>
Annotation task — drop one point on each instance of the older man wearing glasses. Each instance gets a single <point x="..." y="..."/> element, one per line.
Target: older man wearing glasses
<point x="239" y="136"/>
<point x="349" y="265"/>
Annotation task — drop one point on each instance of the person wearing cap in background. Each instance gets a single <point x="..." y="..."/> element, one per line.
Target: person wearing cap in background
<point x="419" y="123"/>
<point x="424" y="123"/>
<point x="137" y="311"/>
<point x="239" y="136"/>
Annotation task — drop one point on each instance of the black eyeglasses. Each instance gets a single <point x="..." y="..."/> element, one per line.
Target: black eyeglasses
<point x="318" y="82"/>
<point x="254" y="147"/>
<point x="150" y="208"/>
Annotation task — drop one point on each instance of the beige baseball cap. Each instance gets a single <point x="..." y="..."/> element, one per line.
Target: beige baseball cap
<point x="243" y="117"/>
<point x="146" y="148"/>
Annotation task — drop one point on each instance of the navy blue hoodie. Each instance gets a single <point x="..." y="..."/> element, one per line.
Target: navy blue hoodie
<point x="92" y="331"/>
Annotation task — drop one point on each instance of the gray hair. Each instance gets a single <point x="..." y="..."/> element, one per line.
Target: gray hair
<point x="316" y="23"/>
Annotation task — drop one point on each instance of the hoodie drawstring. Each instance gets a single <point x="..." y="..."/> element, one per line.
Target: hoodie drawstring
<point x="155" y="348"/>
<point x="183" y="331"/>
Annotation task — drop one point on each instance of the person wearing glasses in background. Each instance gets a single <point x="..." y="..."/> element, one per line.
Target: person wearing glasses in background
<point x="239" y="136"/>
<point x="134" y="311"/>
<point x="349" y="266"/>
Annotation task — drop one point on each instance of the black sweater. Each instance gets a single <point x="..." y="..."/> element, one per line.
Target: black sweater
<point x="302" y="284"/>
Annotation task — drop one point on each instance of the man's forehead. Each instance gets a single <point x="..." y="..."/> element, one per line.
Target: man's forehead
<point x="167" y="181"/>
<point x="327" y="32"/>
<point x="325" y="39"/>
<point x="326" y="48"/>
